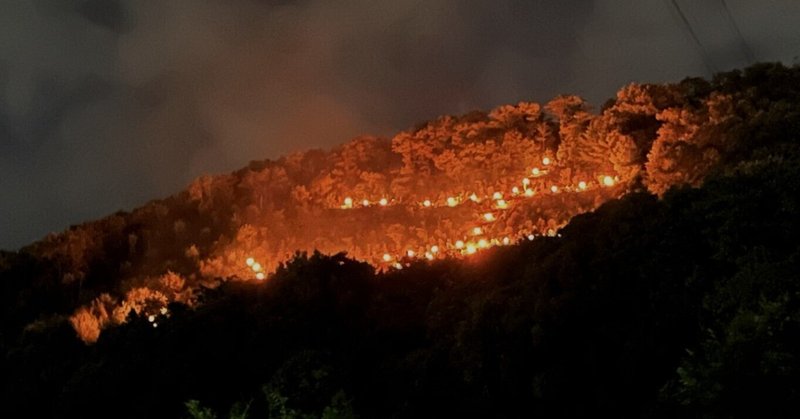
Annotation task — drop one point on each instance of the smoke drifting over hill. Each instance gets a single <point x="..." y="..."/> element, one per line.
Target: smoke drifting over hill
<point x="105" y="104"/>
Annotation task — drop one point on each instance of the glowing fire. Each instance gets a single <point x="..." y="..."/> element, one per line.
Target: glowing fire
<point x="483" y="235"/>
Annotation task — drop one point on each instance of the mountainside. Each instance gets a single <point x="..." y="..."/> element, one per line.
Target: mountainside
<point x="511" y="261"/>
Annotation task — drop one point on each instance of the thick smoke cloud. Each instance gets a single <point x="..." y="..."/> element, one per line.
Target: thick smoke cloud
<point x="105" y="104"/>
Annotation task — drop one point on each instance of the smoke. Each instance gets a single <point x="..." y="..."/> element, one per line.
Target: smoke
<point x="105" y="104"/>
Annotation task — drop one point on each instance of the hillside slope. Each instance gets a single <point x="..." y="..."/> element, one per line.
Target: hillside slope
<point x="602" y="311"/>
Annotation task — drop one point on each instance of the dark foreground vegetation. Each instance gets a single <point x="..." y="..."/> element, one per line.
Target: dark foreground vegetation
<point x="686" y="305"/>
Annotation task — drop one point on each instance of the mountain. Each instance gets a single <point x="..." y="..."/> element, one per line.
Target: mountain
<point x="636" y="261"/>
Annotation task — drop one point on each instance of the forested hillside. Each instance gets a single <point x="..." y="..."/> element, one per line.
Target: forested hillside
<point x="638" y="260"/>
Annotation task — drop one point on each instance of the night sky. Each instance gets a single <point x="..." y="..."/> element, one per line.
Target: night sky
<point x="107" y="104"/>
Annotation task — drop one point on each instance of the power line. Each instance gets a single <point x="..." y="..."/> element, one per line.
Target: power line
<point x="688" y="27"/>
<point x="729" y="17"/>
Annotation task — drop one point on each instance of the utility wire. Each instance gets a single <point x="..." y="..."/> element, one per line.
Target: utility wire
<point x="748" y="53"/>
<point x="688" y="27"/>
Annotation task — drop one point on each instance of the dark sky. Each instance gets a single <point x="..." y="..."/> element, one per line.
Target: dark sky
<point x="106" y="104"/>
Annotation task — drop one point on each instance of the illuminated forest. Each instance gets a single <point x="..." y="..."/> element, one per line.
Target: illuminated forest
<point x="637" y="259"/>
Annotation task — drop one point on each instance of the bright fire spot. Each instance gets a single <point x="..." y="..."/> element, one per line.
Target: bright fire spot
<point x="459" y="244"/>
<point x="515" y="190"/>
<point x="546" y="161"/>
<point x="387" y="257"/>
<point x="551" y="232"/>
<point x="348" y="202"/>
<point x="411" y="253"/>
<point x="529" y="192"/>
<point x="151" y="318"/>
<point x="502" y="204"/>
<point x="474" y="198"/>
<point x="429" y="255"/>
<point x="250" y="261"/>
<point x="398" y="266"/>
<point x="531" y="237"/>
<point x="506" y="241"/>
<point x="497" y="195"/>
<point x="488" y="216"/>
<point x="526" y="181"/>
<point x="163" y="310"/>
<point x="477" y="231"/>
<point x="365" y="202"/>
<point x="256" y="267"/>
<point x="535" y="171"/>
<point x="384" y="202"/>
<point x="426" y="203"/>
<point x="434" y="249"/>
<point x="452" y="201"/>
<point x="582" y="185"/>
<point x="471" y="249"/>
<point x="608" y="181"/>
<point x="155" y="325"/>
<point x="554" y="189"/>
<point x="483" y="243"/>
<point x="260" y="276"/>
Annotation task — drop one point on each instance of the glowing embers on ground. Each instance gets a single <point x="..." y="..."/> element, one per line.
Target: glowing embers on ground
<point x="489" y="209"/>
<point x="256" y="267"/>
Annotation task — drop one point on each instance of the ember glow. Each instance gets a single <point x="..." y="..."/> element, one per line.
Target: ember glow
<point x="403" y="209"/>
